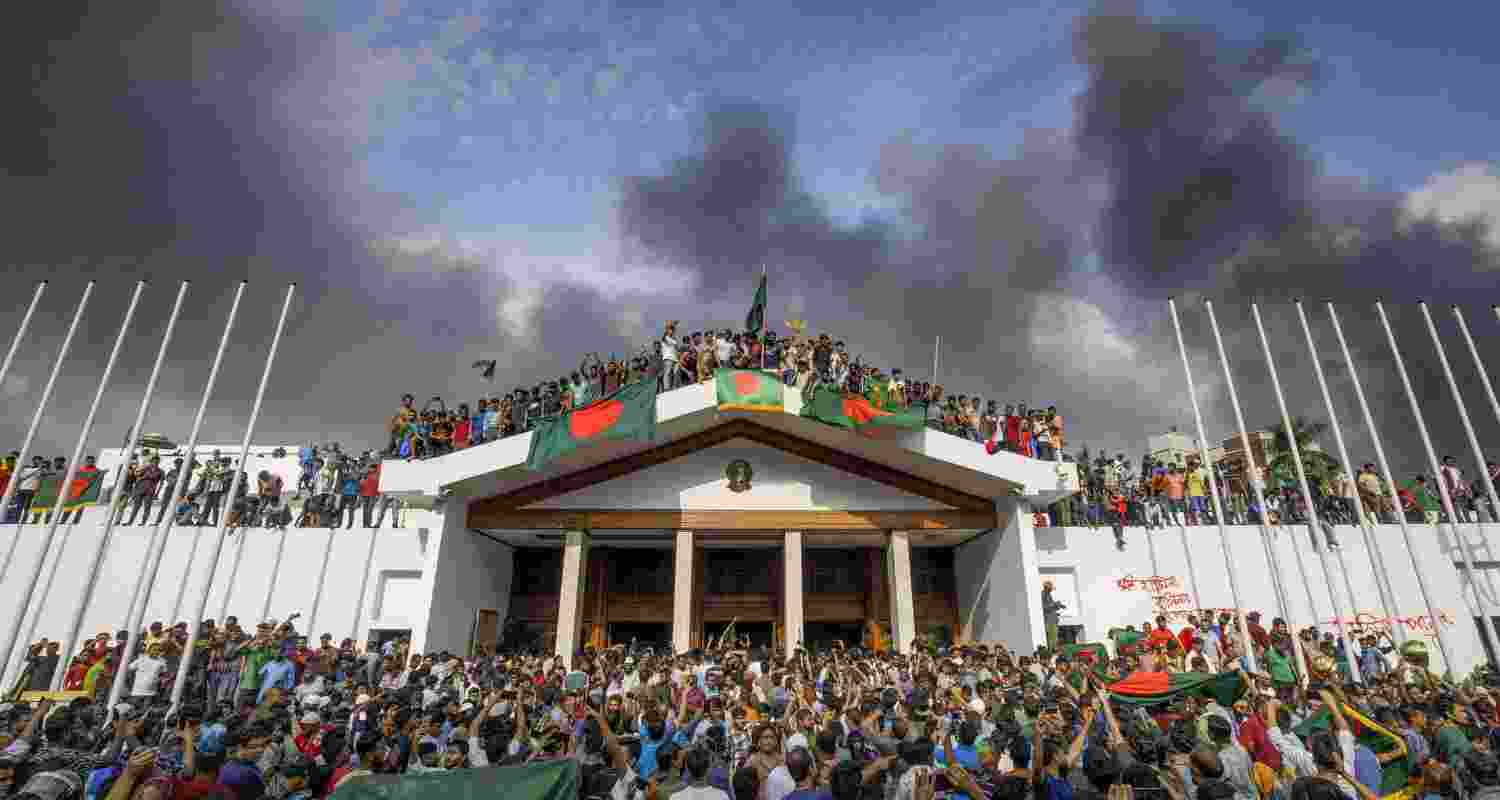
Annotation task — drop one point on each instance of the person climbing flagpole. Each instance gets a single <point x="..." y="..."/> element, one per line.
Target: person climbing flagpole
<point x="1482" y="599"/>
<point x="1253" y="478"/>
<point x="1312" y="507"/>
<point x="1377" y="561"/>
<point x="55" y="518"/>
<point x="36" y="420"/>
<point x="152" y="564"/>
<point x="131" y="435"/>
<point x="15" y="344"/>
<point x="195" y="620"/>
<point x="1234" y="581"/>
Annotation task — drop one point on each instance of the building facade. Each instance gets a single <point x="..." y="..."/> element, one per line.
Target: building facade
<point x="790" y="529"/>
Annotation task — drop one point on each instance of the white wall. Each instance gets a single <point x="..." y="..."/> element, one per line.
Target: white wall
<point x="998" y="585"/>
<point x="395" y="550"/>
<point x="1091" y="556"/>
<point x="781" y="481"/>
<point x="470" y="572"/>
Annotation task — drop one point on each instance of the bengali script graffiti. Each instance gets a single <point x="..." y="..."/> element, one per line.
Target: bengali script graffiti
<point x="1155" y="584"/>
<point x="1373" y="623"/>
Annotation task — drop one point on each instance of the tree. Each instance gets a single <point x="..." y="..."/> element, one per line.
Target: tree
<point x="1318" y="466"/>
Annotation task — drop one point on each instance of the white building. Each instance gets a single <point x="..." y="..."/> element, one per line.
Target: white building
<point x="834" y="530"/>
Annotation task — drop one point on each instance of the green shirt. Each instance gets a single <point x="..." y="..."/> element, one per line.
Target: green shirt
<point x="1426" y="500"/>
<point x="1451" y="744"/>
<point x="255" y="658"/>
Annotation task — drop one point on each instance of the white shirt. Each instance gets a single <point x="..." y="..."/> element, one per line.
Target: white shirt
<point x="147" y="673"/>
<point x="700" y="793"/>
<point x="779" y="784"/>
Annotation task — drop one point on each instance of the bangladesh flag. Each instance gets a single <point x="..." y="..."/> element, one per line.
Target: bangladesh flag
<point x="557" y="779"/>
<point x="85" y="489"/>
<point x="1162" y="688"/>
<point x="1126" y="642"/>
<point x="1371" y="734"/>
<point x="629" y="413"/>
<point x="756" y="319"/>
<point x="848" y="410"/>
<point x="748" y="390"/>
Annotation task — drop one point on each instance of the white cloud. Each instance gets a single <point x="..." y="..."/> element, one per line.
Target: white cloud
<point x="1471" y="191"/>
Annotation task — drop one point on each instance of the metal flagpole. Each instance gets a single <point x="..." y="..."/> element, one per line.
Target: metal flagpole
<point x="1382" y="580"/>
<point x="1312" y="508"/>
<point x="15" y="344"/>
<point x="936" y="346"/>
<point x="312" y="616"/>
<point x="163" y="530"/>
<point x="234" y="571"/>
<point x="10" y="486"/>
<point x="1390" y="484"/>
<point x="1254" y="479"/>
<point x="1234" y="581"/>
<point x="1489" y="392"/>
<point x="1480" y="598"/>
<point x="364" y="584"/>
<point x="1463" y="415"/>
<point x="36" y="419"/>
<point x="265" y="609"/>
<point x="194" y="621"/>
<point x="66" y="488"/>
<point x="131" y="435"/>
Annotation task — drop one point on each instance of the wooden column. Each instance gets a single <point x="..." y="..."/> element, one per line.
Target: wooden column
<point x="598" y="597"/>
<point x="792" y="585"/>
<point x="700" y="581"/>
<point x="898" y="579"/>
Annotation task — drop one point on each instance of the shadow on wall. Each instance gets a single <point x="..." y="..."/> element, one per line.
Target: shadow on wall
<point x="1051" y="540"/>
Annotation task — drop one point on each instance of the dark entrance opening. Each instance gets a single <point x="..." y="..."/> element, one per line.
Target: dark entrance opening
<point x="645" y="634"/>
<point x="822" y="635"/>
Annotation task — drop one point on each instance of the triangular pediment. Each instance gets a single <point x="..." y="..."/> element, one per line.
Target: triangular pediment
<point x="777" y="481"/>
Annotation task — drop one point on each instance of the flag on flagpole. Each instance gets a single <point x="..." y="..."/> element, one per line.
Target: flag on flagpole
<point x="756" y="319"/>
<point x="84" y="491"/>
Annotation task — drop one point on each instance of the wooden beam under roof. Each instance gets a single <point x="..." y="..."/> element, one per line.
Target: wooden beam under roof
<point x="716" y="520"/>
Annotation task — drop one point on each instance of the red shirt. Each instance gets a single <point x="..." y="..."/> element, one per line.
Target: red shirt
<point x="1187" y="636"/>
<point x="309" y="746"/>
<point x="369" y="485"/>
<point x="461" y="434"/>
<point x="1257" y="743"/>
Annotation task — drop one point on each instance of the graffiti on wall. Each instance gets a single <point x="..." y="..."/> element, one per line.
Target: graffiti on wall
<point x="1370" y="622"/>
<point x="1166" y="599"/>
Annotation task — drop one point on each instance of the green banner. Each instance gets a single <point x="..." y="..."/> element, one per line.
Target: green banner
<point x="543" y="780"/>
<point x="748" y="390"/>
<point x="847" y="410"/>
<point x="629" y="413"/>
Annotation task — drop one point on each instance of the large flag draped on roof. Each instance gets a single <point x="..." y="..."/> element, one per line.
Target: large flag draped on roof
<point x="629" y="413"/>
<point x="1158" y="688"/>
<point x="848" y="410"/>
<point x="748" y="390"/>
<point x="1371" y="734"/>
<point x="541" y="780"/>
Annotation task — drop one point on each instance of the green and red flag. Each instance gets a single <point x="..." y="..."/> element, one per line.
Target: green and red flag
<point x="748" y="390"/>
<point x="1127" y="642"/>
<point x="1093" y="653"/>
<point x="629" y="413"/>
<point x="1162" y="688"/>
<point x="848" y="410"/>
<point x="85" y="489"/>
<point x="756" y="318"/>
<point x="1371" y="734"/>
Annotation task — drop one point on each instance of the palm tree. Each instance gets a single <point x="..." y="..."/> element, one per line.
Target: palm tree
<point x="1318" y="465"/>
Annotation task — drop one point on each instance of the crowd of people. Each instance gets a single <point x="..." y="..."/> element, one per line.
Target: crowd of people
<point x="332" y="486"/>
<point x="268" y="714"/>
<point x="679" y="359"/>
<point x="1115" y="494"/>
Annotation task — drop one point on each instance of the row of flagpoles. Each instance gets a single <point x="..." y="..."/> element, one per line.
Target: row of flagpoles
<point x="13" y="642"/>
<point x="1484" y="598"/>
<point x="22" y="626"/>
